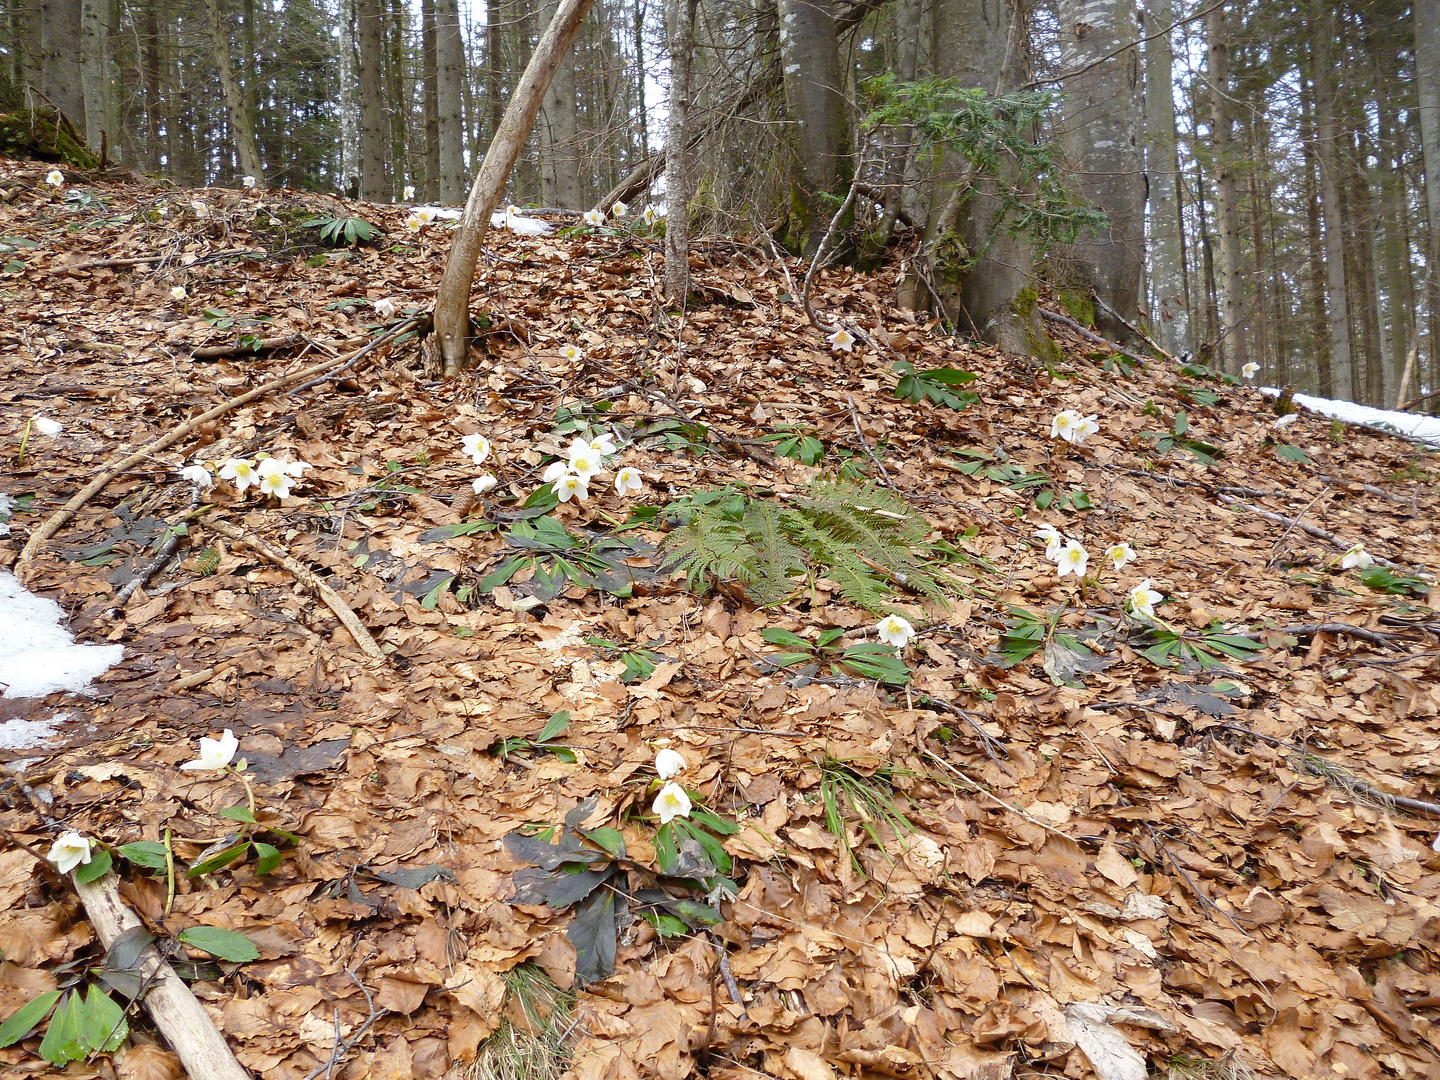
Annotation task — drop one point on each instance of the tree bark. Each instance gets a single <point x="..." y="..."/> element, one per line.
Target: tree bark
<point x="370" y="14"/>
<point x="1427" y="69"/>
<point x="1229" y="271"/>
<point x="242" y="125"/>
<point x="817" y="162"/>
<point x="349" y="96"/>
<point x="430" y="94"/>
<point x="1168" y="314"/>
<point x="397" y="94"/>
<point x="1320" y="326"/>
<point x="680" y="18"/>
<point x="452" y="301"/>
<point x="154" y="150"/>
<point x="559" y="130"/>
<point x="450" y="58"/>
<point x="1328" y="158"/>
<point x="1101" y="140"/>
<point x="59" y="65"/>
<point x="984" y="44"/>
<point x="93" y="50"/>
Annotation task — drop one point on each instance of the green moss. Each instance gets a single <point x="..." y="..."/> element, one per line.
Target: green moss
<point x="1025" y="302"/>
<point x="1078" y="306"/>
<point x="1043" y="347"/>
<point x="37" y="137"/>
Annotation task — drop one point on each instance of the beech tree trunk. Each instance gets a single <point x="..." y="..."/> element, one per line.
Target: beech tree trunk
<point x="452" y="301"/>
<point x="1427" y="70"/>
<point x="1169" y="314"/>
<point x="681" y="20"/>
<point x="1229" y="271"/>
<point x="93" y="49"/>
<point x="370" y="15"/>
<point x="559" y="130"/>
<point x="430" y="96"/>
<point x="1101" y="140"/>
<point x="242" y="124"/>
<point x="817" y="163"/>
<point x="59" y="65"/>
<point x="450" y="59"/>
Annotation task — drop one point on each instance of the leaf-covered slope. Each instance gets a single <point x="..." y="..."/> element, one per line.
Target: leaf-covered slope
<point x="1185" y="842"/>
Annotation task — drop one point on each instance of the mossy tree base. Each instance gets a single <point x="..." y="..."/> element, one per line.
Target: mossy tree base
<point x="38" y="137"/>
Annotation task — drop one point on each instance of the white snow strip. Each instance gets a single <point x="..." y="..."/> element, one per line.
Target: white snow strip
<point x="18" y="733"/>
<point x="38" y="656"/>
<point x="1419" y="426"/>
<point x="518" y="223"/>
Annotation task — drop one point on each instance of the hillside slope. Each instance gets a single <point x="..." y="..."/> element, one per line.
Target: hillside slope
<point x="1057" y="822"/>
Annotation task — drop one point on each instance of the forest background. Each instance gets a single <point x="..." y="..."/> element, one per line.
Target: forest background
<point x="1262" y="167"/>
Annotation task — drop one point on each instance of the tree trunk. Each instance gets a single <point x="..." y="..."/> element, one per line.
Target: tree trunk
<point x="1101" y="140"/>
<point x="1427" y="69"/>
<point x="397" y="95"/>
<point x="559" y="130"/>
<point x="1229" y="271"/>
<point x="817" y="162"/>
<point x="370" y="14"/>
<point x="981" y="44"/>
<point x="1328" y="155"/>
<point x="1324" y="344"/>
<point x="680" y="18"/>
<point x="452" y="301"/>
<point x="154" y="150"/>
<point x="1168" y="314"/>
<point x="430" y="94"/>
<point x="450" y="59"/>
<point x="242" y="126"/>
<point x="93" y="50"/>
<point x="349" y="96"/>
<point x="60" y="66"/>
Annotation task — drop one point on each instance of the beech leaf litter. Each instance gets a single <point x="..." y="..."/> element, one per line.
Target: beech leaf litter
<point x="1175" y="818"/>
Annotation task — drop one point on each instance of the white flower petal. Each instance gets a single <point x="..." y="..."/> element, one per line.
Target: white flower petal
<point x="669" y="763"/>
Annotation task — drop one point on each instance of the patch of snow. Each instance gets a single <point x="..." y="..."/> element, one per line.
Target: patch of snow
<point x="38" y="656"/>
<point x="440" y="213"/>
<point x="1418" y="426"/>
<point x="21" y="734"/>
<point x="518" y="223"/>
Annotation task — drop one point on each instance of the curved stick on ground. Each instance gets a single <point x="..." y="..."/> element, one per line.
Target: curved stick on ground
<point x="58" y="520"/>
<point x="179" y="1016"/>
<point x="333" y="600"/>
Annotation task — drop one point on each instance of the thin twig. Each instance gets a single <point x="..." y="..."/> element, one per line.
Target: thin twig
<point x="819" y="258"/>
<point x="394" y="331"/>
<point x="855" y="419"/>
<point x="1321" y="534"/>
<point x="143" y="576"/>
<point x="339" y="1050"/>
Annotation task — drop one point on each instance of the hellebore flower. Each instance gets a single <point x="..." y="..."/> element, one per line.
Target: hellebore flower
<point x="594" y="218"/>
<point x="482" y="484"/>
<point x="477" y="446"/>
<point x="628" y="480"/>
<point x="198" y="475"/>
<point x="1357" y="556"/>
<point x="242" y="471"/>
<point x="573" y="486"/>
<point x="1142" y="600"/>
<point x="894" y="630"/>
<point x="668" y="763"/>
<point x="842" y="340"/>
<point x="1250" y="370"/>
<point x="46" y="426"/>
<point x="1120" y="554"/>
<point x="70" y="851"/>
<point x="671" y="802"/>
<point x="1053" y="540"/>
<point x="214" y="753"/>
<point x="55" y="178"/>
<point x="1072" y="559"/>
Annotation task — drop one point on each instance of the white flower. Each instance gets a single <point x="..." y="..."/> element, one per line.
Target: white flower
<point x="554" y="471"/>
<point x="1120" y="554"/>
<point x="385" y="308"/>
<point x="668" y="763"/>
<point x="482" y="484"/>
<point x="512" y="210"/>
<point x="414" y="224"/>
<point x="296" y="468"/>
<point x="1072" y="559"/>
<point x="46" y="426"/>
<point x="594" y="218"/>
<point x="409" y="192"/>
<point x="572" y="353"/>
<point x="671" y="802"/>
<point x="242" y="471"/>
<point x="1357" y="556"/>
<point x="178" y="293"/>
<point x="583" y="461"/>
<point x="1053" y="540"/>
<point x="1142" y="600"/>
<point x="201" y="210"/>
<point x="248" y="181"/>
<point x="894" y="630"/>
<point x="198" y="475"/>
<point x="55" y="178"/>
<point x="619" y="209"/>
<point x="628" y="480"/>
<point x="842" y="340"/>
<point x="275" y="479"/>
<point x="1072" y="427"/>
<point x="604" y="443"/>
<point x="1250" y="370"/>
<point x="477" y="446"/>
<point x="573" y="486"/>
<point x="648" y="216"/>
<point x="70" y="851"/>
<point x="215" y="753"/>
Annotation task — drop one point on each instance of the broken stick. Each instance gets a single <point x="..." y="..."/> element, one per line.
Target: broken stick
<point x="179" y="1016"/>
<point x="333" y="600"/>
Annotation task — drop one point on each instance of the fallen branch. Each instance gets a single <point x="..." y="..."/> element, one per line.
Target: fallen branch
<point x="1320" y="534"/>
<point x="143" y="576"/>
<point x="355" y="357"/>
<point x="58" y="520"/>
<point x="333" y="600"/>
<point x="179" y="1016"/>
<point x="1132" y="327"/>
<point x="1089" y="335"/>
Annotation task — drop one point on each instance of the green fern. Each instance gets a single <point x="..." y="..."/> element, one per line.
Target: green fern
<point x="842" y="529"/>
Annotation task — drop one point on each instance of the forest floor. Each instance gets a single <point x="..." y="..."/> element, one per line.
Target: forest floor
<point x="1071" y="844"/>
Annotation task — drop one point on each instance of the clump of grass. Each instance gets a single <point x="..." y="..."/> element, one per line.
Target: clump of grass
<point x="1227" y="1067"/>
<point x="532" y="1042"/>
<point x="846" y="791"/>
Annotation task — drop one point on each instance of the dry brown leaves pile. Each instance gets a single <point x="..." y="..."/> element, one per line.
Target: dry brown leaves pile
<point x="1133" y="845"/>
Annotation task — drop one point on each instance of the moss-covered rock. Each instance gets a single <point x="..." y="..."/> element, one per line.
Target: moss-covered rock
<point x="38" y="137"/>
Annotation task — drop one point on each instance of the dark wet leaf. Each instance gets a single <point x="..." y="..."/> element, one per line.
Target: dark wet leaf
<point x="413" y="879"/>
<point x="592" y="932"/>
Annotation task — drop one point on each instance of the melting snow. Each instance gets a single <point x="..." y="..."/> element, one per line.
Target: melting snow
<point x="38" y="656"/>
<point x="1419" y="426"/>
